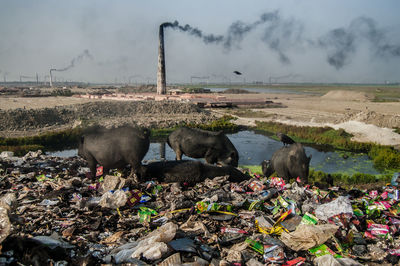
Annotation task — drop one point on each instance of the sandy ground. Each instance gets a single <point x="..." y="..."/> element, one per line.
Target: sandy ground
<point x="7" y="103"/>
<point x="368" y="121"/>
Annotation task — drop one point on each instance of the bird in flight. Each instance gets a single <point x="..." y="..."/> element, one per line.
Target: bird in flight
<point x="237" y="72"/>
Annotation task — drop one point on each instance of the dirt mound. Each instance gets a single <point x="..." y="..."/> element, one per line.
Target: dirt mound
<point x="150" y="114"/>
<point x="348" y="96"/>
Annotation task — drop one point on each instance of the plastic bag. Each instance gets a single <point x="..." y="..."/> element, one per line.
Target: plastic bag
<point x="307" y="236"/>
<point x="335" y="207"/>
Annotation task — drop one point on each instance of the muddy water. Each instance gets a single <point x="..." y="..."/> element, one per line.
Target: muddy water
<point x="254" y="148"/>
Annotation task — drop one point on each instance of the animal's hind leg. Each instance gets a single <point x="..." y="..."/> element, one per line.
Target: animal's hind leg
<point x="135" y="172"/>
<point x="178" y="154"/>
<point x="92" y="163"/>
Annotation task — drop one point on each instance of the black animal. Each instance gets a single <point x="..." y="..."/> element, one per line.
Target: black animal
<point x="237" y="72"/>
<point x="288" y="162"/>
<point x="114" y="148"/>
<point x="285" y="138"/>
<point x="215" y="147"/>
<point x="189" y="171"/>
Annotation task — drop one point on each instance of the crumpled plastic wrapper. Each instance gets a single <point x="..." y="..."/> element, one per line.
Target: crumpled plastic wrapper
<point x="5" y="225"/>
<point x="376" y="252"/>
<point x="340" y="205"/>
<point x="7" y="202"/>
<point x="152" y="251"/>
<point x="113" y="200"/>
<point x="296" y="193"/>
<point x="194" y="227"/>
<point x="307" y="236"/>
<point x="329" y="260"/>
<point x="112" y="183"/>
<point x="152" y="247"/>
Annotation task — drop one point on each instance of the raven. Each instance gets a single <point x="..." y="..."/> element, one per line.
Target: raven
<point x="284" y="138"/>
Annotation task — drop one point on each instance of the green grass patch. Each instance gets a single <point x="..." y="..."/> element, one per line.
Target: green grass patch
<point x="346" y="180"/>
<point x="46" y="141"/>
<point x="256" y="169"/>
<point x="224" y="123"/>
<point x="161" y="133"/>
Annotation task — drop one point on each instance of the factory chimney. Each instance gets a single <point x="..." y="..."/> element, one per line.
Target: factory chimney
<point x="161" y="82"/>
<point x="51" y="78"/>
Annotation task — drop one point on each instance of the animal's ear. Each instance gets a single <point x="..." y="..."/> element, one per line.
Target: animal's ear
<point x="266" y="163"/>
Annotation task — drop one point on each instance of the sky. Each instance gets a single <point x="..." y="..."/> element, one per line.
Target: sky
<point x="102" y="41"/>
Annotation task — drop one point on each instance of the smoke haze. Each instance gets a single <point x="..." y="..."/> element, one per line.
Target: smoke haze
<point x="315" y="40"/>
<point x="342" y="43"/>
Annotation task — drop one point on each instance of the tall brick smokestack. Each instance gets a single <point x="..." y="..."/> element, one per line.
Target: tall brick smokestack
<point x="161" y="81"/>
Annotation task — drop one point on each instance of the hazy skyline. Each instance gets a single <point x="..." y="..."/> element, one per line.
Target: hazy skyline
<point x="286" y="41"/>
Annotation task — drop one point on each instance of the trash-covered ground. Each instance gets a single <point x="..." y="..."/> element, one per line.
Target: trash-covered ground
<point x="52" y="214"/>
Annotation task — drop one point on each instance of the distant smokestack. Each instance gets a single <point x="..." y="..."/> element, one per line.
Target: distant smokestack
<point x="161" y="81"/>
<point x="51" y="78"/>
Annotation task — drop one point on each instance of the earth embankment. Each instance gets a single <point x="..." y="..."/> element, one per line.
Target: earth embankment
<point x="152" y="114"/>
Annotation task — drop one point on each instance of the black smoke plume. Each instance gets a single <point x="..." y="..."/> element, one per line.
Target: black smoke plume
<point x="239" y="29"/>
<point x="282" y="34"/>
<point x="75" y="60"/>
<point x="342" y="43"/>
<point x="210" y="38"/>
<point x="278" y="33"/>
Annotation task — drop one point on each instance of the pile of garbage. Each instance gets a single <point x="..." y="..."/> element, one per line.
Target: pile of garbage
<point x="51" y="213"/>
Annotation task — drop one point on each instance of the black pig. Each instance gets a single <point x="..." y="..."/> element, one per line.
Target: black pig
<point x="288" y="162"/>
<point x="215" y="147"/>
<point x="114" y="148"/>
<point x="189" y="171"/>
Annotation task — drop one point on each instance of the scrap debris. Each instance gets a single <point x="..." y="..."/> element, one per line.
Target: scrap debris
<point x="52" y="214"/>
